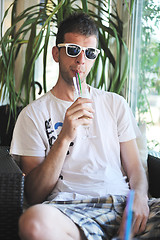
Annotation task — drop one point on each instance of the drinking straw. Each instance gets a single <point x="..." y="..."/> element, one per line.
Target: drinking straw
<point x="79" y="83"/>
<point x="128" y="226"/>
<point x="78" y="87"/>
<point x="75" y="86"/>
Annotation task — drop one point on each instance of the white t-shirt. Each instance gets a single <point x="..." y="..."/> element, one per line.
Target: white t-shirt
<point x="92" y="166"/>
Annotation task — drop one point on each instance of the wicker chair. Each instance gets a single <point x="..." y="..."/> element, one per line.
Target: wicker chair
<point x="11" y="195"/>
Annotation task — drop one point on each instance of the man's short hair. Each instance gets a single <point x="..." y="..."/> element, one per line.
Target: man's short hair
<point x="80" y="23"/>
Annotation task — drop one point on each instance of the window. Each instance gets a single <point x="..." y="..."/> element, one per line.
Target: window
<point x="145" y="68"/>
<point x="52" y="66"/>
<point x="3" y="7"/>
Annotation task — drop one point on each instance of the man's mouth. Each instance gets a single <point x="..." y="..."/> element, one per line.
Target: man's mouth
<point x="77" y="71"/>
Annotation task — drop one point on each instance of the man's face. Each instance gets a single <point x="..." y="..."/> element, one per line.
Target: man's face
<point x="68" y="66"/>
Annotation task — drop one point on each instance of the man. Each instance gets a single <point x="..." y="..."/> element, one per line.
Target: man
<point x="81" y="178"/>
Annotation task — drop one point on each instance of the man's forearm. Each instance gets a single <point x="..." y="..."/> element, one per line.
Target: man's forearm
<point x="42" y="179"/>
<point x="138" y="181"/>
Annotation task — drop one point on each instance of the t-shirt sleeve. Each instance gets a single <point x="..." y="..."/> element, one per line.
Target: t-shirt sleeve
<point x="26" y="139"/>
<point x="126" y="124"/>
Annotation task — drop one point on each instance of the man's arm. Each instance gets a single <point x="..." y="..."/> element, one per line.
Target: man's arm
<point x="138" y="182"/>
<point x="42" y="173"/>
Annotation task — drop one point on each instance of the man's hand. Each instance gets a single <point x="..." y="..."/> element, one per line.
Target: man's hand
<point x="140" y="215"/>
<point x="79" y="113"/>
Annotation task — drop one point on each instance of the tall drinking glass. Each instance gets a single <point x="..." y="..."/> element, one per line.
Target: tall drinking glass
<point x="89" y="127"/>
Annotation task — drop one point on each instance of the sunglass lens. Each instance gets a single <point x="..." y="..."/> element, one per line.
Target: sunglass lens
<point x="91" y="53"/>
<point x="73" y="50"/>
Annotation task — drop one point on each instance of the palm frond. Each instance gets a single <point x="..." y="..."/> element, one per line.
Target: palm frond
<point x="37" y="22"/>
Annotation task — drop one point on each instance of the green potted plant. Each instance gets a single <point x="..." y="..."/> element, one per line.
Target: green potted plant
<point x="46" y="15"/>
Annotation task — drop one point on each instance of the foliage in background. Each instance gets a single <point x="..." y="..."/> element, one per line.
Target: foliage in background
<point x="149" y="79"/>
<point x="48" y="14"/>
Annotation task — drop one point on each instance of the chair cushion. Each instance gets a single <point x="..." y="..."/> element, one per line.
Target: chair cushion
<point x="154" y="175"/>
<point x="5" y="130"/>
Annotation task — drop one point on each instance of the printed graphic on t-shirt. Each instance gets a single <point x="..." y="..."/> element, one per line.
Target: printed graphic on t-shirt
<point x="52" y="132"/>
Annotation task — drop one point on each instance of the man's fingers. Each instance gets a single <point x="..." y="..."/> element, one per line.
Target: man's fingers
<point x="139" y="224"/>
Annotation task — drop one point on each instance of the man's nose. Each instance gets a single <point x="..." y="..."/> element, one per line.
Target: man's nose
<point x="81" y="58"/>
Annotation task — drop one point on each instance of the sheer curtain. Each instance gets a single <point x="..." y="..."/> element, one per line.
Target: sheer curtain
<point x="1" y="13"/>
<point x="144" y="75"/>
<point x="135" y="43"/>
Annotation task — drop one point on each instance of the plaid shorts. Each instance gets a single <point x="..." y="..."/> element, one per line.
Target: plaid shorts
<point x="99" y="218"/>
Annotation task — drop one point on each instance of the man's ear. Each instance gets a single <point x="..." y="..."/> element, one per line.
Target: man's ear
<point x="55" y="54"/>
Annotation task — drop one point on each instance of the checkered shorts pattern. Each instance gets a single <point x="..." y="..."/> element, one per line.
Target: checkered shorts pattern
<point x="99" y="218"/>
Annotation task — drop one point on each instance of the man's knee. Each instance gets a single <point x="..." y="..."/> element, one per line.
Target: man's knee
<point x="30" y="225"/>
<point x="45" y="222"/>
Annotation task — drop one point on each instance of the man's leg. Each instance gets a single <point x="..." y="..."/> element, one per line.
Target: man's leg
<point x="43" y="222"/>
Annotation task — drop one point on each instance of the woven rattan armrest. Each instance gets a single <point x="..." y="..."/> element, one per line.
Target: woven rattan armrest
<point x="11" y="195"/>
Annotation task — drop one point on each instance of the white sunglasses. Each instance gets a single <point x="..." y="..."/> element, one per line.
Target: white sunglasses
<point x="73" y="50"/>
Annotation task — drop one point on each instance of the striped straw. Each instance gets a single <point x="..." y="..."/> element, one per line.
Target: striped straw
<point x="79" y="83"/>
<point x="78" y="87"/>
<point x="75" y="86"/>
